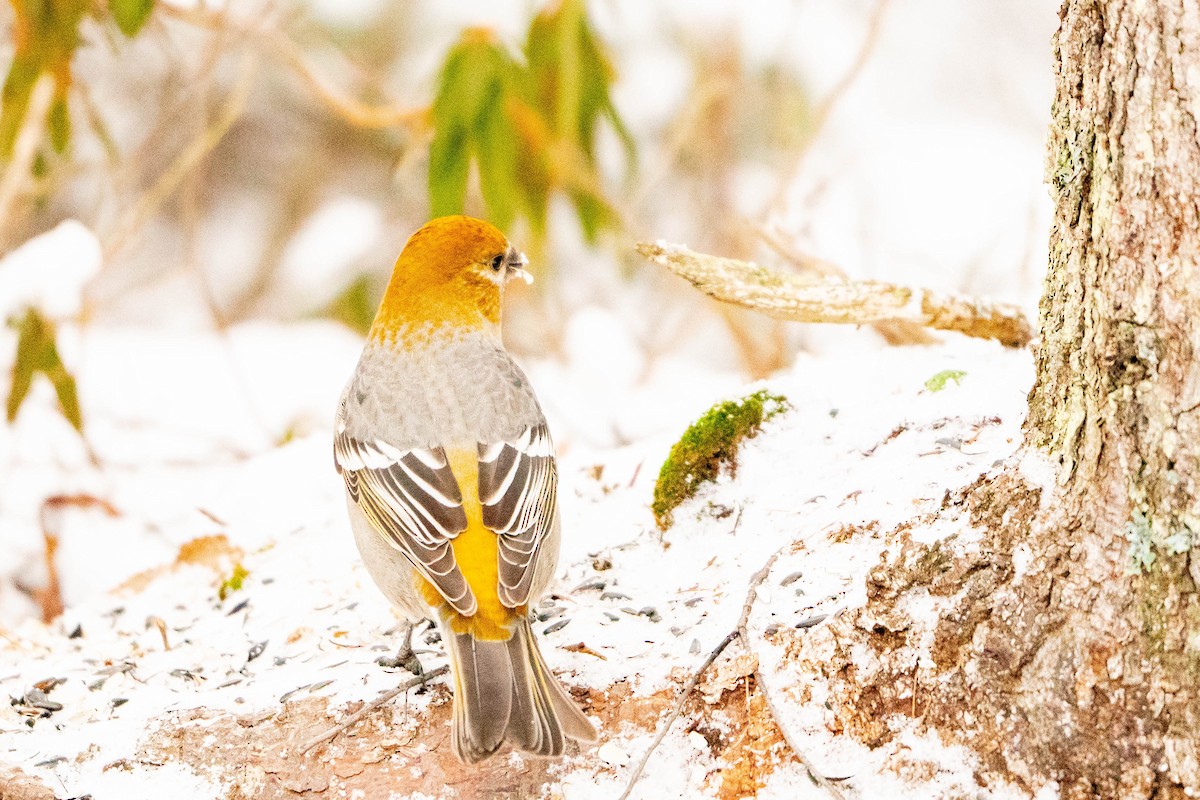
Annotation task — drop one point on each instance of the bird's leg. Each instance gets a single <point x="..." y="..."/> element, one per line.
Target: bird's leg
<point x="405" y="657"/>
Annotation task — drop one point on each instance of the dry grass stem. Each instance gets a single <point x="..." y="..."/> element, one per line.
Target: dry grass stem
<point x="827" y="299"/>
<point x="352" y="111"/>
<point x="756" y="580"/>
<point x="137" y="216"/>
<point x="675" y="711"/>
<point x="383" y="699"/>
<point x="825" y="110"/>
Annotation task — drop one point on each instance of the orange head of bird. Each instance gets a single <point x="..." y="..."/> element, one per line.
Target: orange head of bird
<point x="451" y="272"/>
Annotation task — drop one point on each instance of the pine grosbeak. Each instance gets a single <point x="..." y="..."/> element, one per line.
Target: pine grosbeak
<point x="451" y="484"/>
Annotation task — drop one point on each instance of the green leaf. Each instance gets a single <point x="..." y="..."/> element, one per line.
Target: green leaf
<point x="449" y="161"/>
<point x="18" y="85"/>
<point x="30" y="342"/>
<point x="59" y="123"/>
<point x="234" y="582"/>
<point x="37" y="352"/>
<point x="499" y="166"/>
<point x="68" y="393"/>
<point x="939" y="381"/>
<point x="46" y="33"/>
<point x="130" y="15"/>
<point x="573" y="75"/>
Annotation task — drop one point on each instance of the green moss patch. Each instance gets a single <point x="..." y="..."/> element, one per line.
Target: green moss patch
<point x="708" y="446"/>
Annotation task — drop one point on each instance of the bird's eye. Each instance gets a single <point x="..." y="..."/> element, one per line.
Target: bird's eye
<point x="498" y="262"/>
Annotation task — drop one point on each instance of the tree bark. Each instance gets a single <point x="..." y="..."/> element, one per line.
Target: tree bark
<point x="1066" y="645"/>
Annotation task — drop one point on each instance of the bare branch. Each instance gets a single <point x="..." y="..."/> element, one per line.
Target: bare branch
<point x="825" y="109"/>
<point x="351" y="110"/>
<point x="783" y="296"/>
<point x="134" y="218"/>
<point x="896" y="333"/>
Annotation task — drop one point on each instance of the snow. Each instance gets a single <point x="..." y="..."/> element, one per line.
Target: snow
<point x="49" y="272"/>
<point x="864" y="447"/>
<point x="928" y="173"/>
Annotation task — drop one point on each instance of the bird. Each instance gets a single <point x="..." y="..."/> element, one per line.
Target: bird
<point x="451" y="484"/>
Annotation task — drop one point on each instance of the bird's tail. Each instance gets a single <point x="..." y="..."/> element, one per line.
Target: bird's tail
<point x="503" y="691"/>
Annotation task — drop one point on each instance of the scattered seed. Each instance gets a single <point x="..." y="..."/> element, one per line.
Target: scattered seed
<point x="611" y="616"/>
<point x="230" y="682"/>
<point x="77" y="633"/>
<point x="51" y="762"/>
<point x="602" y="563"/>
<point x="811" y="621"/>
<point x="556" y="626"/>
<point x="615" y="596"/>
<point x="256" y="650"/>
<point x="239" y="607"/>
<point x="695" y="648"/>
<point x="693" y="601"/>
<point x="117" y="702"/>
<point x="316" y="687"/>
<point x="650" y="613"/>
<point x="593" y="584"/>
<point x="283" y="698"/>
<point x="791" y="578"/>
<point x="630" y="610"/>
<point x="36" y="698"/>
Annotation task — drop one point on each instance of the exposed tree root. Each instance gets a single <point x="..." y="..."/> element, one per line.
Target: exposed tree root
<point x="1026" y="658"/>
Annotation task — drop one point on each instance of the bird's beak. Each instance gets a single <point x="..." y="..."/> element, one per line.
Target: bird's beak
<point x="516" y="267"/>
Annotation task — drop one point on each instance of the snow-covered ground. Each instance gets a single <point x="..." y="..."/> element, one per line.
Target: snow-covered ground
<point x="207" y="449"/>
<point x="214" y="450"/>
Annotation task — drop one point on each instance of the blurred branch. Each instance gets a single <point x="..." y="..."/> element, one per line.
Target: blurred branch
<point x="894" y="332"/>
<point x="349" y="109"/>
<point x="830" y="299"/>
<point x="839" y="90"/>
<point x="140" y="212"/>
<point x="25" y="146"/>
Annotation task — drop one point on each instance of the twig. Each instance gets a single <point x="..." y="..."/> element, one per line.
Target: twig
<point x="752" y="592"/>
<point x="384" y="698"/>
<point x="29" y="135"/>
<point x="825" y="109"/>
<point x="675" y="711"/>
<point x="170" y="180"/>
<point x="348" y="108"/>
<point x="827" y="299"/>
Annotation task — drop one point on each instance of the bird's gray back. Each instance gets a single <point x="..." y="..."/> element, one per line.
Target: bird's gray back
<point x="451" y="391"/>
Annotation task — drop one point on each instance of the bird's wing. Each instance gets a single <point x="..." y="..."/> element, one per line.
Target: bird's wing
<point x="413" y="499"/>
<point x="518" y="483"/>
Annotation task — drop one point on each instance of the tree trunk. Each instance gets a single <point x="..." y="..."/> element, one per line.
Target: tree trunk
<point x="1067" y="642"/>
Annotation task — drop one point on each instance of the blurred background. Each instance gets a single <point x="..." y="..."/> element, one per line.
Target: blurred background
<point x="201" y="203"/>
